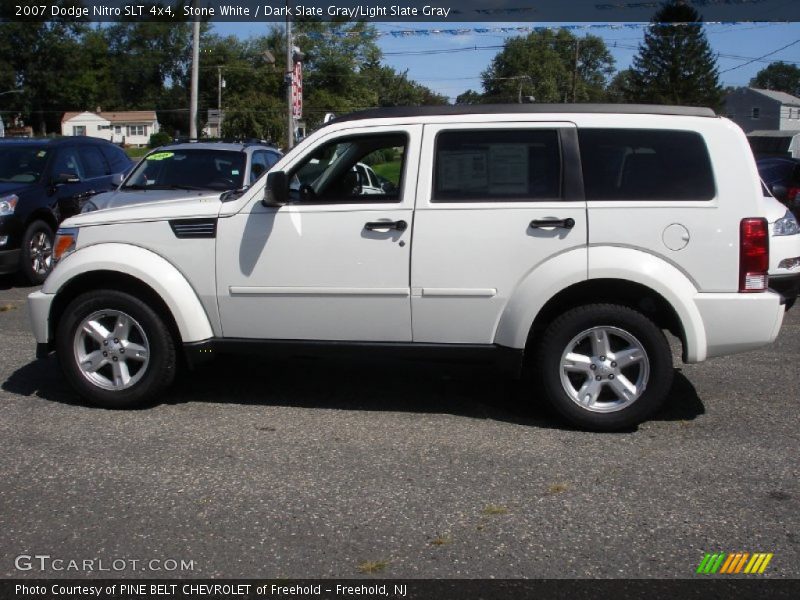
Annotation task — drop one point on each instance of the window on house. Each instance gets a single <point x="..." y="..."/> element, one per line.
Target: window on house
<point x="79" y="130"/>
<point x="756" y="113"/>
<point x="117" y="128"/>
<point x="137" y="130"/>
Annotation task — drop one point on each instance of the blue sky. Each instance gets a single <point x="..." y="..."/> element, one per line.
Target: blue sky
<point x="454" y="72"/>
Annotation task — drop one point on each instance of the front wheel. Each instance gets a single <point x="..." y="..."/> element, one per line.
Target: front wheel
<point x="605" y="367"/>
<point x="115" y="350"/>
<point x="36" y="258"/>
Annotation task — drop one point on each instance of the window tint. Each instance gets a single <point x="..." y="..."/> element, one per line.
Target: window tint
<point x="332" y="172"/>
<point x="261" y="162"/>
<point x="116" y="158"/>
<point x="644" y="164"/>
<point x="93" y="162"/>
<point x="497" y="165"/>
<point x="67" y="162"/>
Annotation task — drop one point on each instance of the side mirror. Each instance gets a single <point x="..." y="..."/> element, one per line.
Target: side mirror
<point x="63" y="178"/>
<point x="117" y="179"/>
<point x="388" y="187"/>
<point x="277" y="191"/>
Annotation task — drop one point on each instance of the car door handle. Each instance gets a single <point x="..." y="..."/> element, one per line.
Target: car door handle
<point x="568" y="223"/>
<point x="379" y="225"/>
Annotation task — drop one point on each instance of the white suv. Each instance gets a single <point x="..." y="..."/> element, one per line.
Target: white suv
<point x="574" y="234"/>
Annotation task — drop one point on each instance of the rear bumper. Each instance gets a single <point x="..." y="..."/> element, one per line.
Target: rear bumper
<point x="9" y="261"/>
<point x="736" y="323"/>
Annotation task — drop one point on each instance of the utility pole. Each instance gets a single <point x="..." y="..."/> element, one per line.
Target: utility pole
<point x="289" y="80"/>
<point x="195" y="76"/>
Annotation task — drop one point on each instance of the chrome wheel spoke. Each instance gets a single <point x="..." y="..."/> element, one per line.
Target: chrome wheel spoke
<point x="94" y="361"/>
<point x="589" y="392"/>
<point x="136" y="352"/>
<point x="600" y="343"/>
<point x="122" y="376"/>
<point x="577" y="363"/>
<point x="96" y="331"/>
<point x="623" y="388"/>
<point x="628" y="357"/>
<point x="122" y="328"/>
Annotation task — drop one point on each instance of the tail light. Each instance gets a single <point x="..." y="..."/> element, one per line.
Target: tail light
<point x="791" y="194"/>
<point x="753" y="255"/>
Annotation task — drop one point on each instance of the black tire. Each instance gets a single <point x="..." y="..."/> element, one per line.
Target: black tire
<point x="159" y="370"/>
<point x="570" y="326"/>
<point x="28" y="254"/>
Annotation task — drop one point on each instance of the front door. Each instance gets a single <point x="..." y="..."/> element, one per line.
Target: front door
<point x="333" y="264"/>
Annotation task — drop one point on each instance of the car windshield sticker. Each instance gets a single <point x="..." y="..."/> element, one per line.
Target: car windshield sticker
<point x="160" y="155"/>
<point x="41" y="153"/>
<point x="235" y="172"/>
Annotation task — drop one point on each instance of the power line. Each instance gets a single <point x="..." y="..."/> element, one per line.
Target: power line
<point x="760" y="57"/>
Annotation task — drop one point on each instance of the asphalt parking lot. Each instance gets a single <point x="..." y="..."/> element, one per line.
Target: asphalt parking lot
<point x="308" y="469"/>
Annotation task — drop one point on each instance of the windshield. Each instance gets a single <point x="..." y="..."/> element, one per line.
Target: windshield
<point x="189" y="169"/>
<point x="22" y="164"/>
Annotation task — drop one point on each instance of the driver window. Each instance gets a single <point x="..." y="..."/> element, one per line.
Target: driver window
<point x="354" y="169"/>
<point x="67" y="161"/>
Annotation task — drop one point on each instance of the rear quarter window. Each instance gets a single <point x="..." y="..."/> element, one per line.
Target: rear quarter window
<point x="645" y="164"/>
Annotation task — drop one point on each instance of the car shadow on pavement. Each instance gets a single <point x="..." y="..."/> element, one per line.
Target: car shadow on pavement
<point x="468" y="391"/>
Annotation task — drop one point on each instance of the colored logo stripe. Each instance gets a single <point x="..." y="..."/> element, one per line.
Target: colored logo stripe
<point x="736" y="562"/>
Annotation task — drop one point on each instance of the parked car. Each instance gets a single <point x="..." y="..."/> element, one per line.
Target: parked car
<point x="43" y="181"/>
<point x="206" y="169"/>
<point x="782" y="178"/>
<point x="784" y="249"/>
<point x="559" y="233"/>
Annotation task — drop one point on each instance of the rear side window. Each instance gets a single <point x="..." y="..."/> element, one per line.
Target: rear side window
<point x="116" y="158"/>
<point x="645" y="164"/>
<point x="93" y="162"/>
<point x="500" y="165"/>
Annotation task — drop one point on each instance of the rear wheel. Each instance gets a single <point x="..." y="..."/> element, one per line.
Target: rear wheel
<point x="36" y="258"/>
<point x="115" y="350"/>
<point x="604" y="366"/>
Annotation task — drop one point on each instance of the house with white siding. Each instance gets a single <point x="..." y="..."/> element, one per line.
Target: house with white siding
<point x="131" y="128"/>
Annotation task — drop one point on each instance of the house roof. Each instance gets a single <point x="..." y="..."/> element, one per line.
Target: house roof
<point x="130" y="116"/>
<point x="781" y="97"/>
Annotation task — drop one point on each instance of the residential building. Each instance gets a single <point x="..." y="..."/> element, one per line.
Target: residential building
<point x="131" y="128"/>
<point x="770" y="119"/>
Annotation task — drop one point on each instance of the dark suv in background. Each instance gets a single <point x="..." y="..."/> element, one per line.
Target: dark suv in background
<point x="42" y="182"/>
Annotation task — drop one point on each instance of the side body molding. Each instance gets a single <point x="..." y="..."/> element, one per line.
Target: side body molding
<point x="146" y="266"/>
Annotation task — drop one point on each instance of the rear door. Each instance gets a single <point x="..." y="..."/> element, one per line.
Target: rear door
<point x="493" y="204"/>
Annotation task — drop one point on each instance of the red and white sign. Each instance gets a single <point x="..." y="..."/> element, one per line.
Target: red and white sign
<point x="297" y="90"/>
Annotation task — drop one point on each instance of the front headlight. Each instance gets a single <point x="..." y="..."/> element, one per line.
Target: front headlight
<point x="7" y="205"/>
<point x="89" y="207"/>
<point x="787" y="225"/>
<point x="66" y="240"/>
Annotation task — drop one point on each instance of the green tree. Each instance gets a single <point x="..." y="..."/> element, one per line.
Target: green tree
<point x="674" y="64"/>
<point x="543" y="65"/>
<point x="778" y="76"/>
<point x="470" y="97"/>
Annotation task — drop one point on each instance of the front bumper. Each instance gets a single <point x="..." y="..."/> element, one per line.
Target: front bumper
<point x="39" y="309"/>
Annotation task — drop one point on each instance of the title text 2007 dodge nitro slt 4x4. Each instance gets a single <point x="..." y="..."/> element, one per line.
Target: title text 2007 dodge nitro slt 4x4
<point x="573" y="234"/>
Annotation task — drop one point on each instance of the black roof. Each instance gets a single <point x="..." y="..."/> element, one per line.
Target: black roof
<point x="397" y="112"/>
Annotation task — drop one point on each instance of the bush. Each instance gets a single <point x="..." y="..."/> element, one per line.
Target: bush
<point x="159" y="139"/>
